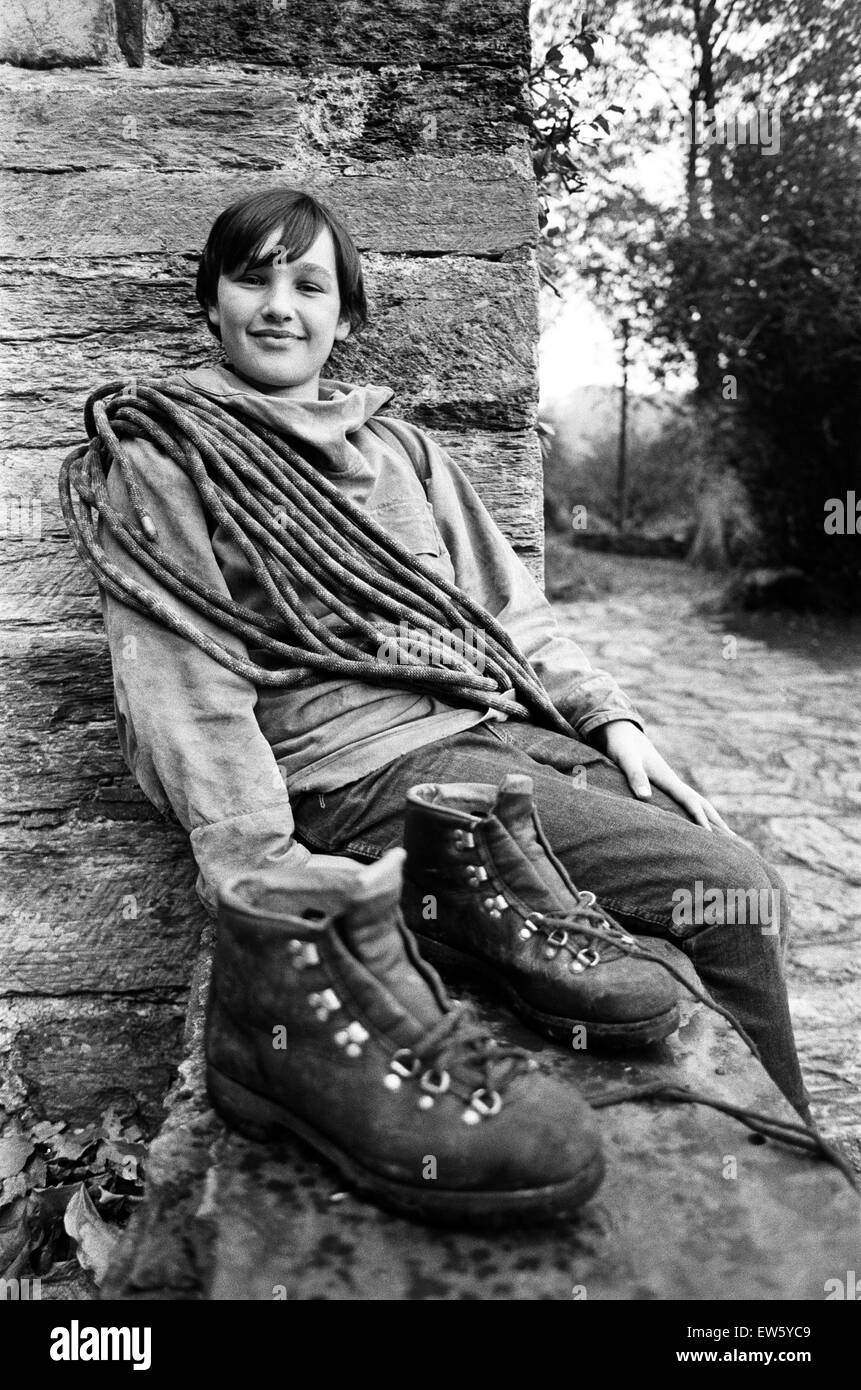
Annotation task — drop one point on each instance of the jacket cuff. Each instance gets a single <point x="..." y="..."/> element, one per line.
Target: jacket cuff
<point x="260" y="839"/>
<point x="598" y="718"/>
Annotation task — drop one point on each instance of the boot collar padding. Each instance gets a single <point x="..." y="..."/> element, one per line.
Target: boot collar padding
<point x="468" y="801"/>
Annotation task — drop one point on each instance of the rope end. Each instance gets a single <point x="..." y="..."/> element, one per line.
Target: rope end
<point x="148" y="527"/>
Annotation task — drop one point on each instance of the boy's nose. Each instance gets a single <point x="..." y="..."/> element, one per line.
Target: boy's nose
<point x="279" y="302"/>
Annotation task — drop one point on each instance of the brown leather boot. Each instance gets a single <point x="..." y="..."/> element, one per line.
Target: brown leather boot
<point x="325" y="1023"/>
<point x="485" y="892"/>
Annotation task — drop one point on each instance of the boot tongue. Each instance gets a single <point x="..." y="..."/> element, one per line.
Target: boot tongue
<point x="537" y="882"/>
<point x="370" y="928"/>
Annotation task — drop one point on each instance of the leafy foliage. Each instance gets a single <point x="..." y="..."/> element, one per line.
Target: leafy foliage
<point x="746" y="263"/>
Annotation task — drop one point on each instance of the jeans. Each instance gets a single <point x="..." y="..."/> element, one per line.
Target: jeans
<point x="633" y="855"/>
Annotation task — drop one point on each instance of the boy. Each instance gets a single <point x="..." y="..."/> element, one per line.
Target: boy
<point x="279" y="781"/>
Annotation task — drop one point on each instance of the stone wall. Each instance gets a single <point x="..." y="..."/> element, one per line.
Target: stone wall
<point x="128" y="127"/>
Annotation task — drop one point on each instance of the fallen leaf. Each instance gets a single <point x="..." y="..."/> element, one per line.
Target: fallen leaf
<point x="94" y="1239"/>
<point x="68" y="1148"/>
<point x="37" y="1172"/>
<point x="11" y="1188"/>
<point x="122" y="1156"/>
<point x="15" y="1149"/>
<point x="54" y="1200"/>
<point x="46" y="1129"/>
<point x="14" y="1238"/>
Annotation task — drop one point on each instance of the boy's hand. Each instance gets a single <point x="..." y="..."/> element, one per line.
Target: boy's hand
<point x="642" y="764"/>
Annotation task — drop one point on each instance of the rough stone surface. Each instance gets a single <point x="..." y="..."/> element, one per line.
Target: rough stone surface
<point x="71" y="1057"/>
<point x="53" y="33"/>
<point x="436" y="33"/>
<point x="215" y="119"/>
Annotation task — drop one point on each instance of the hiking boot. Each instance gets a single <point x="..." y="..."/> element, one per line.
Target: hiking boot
<point x="325" y="1023"/>
<point x="485" y="892"/>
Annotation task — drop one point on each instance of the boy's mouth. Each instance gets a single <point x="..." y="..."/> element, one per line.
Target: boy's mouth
<point x="275" y="335"/>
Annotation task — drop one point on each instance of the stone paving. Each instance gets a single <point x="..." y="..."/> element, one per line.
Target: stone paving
<point x="762" y="713"/>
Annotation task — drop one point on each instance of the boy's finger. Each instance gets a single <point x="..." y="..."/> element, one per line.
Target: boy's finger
<point x="690" y="801"/>
<point x="637" y="779"/>
<point x="718" y="819"/>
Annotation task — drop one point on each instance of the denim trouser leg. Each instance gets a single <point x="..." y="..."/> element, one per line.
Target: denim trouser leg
<point x="633" y="855"/>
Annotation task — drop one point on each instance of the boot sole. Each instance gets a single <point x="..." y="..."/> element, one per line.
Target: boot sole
<point x="261" y="1119"/>
<point x="636" y="1032"/>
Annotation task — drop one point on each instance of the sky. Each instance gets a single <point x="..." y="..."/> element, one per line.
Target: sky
<point x="576" y="349"/>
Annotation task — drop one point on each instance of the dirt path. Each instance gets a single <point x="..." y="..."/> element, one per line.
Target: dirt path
<point x="763" y="715"/>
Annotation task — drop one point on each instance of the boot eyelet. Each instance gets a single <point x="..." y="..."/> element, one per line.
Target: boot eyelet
<point x="405" y="1063"/>
<point x="351" y="1038"/>
<point x="528" y="929"/>
<point x="435" y="1082"/>
<point x="589" y="956"/>
<point x="462" y="839"/>
<point x="324" y="1004"/>
<point x="486" y="1102"/>
<point x="302" y="954"/>
<point x="586" y="898"/>
<point x="559" y="937"/>
<point x="475" y="874"/>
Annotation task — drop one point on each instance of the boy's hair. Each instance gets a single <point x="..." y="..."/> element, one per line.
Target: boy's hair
<point x="238" y="234"/>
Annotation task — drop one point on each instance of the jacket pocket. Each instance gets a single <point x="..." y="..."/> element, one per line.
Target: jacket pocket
<point x="410" y="520"/>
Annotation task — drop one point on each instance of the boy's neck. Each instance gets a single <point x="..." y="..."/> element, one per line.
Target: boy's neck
<point x="302" y="391"/>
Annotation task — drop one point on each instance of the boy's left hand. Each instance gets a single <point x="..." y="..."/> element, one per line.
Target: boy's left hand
<point x="643" y="766"/>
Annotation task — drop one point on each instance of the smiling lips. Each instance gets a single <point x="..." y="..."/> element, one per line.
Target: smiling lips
<point x="274" y="335"/>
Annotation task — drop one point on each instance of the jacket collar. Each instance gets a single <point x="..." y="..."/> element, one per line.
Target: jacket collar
<point x="326" y="423"/>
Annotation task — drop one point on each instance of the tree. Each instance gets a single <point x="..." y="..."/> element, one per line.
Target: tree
<point x="749" y="263"/>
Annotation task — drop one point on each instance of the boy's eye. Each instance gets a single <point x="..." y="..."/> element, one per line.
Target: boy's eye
<point x="309" y="285"/>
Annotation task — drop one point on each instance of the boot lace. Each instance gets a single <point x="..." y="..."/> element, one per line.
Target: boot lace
<point x="460" y="1055"/>
<point x="580" y="931"/>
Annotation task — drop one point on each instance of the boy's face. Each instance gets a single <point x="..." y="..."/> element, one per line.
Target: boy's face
<point x="280" y="321"/>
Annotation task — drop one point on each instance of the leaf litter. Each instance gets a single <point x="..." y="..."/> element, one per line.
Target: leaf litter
<point x="66" y="1194"/>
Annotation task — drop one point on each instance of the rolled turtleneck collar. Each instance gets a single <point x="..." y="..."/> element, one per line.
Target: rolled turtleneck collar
<point x="326" y="423"/>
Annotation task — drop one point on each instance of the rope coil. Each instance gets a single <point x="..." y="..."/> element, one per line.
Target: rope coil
<point x="302" y="538"/>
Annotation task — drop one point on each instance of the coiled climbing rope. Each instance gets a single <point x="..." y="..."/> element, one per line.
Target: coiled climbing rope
<point x="302" y="538"/>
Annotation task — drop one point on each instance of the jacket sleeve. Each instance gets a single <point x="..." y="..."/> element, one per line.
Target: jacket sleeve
<point x="186" y="724"/>
<point x="488" y="569"/>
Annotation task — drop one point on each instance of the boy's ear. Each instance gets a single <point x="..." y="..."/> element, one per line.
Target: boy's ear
<point x="343" y="330"/>
<point x="213" y="315"/>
